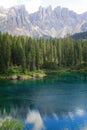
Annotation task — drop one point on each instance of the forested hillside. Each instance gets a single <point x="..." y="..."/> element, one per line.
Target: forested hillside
<point x="38" y="53"/>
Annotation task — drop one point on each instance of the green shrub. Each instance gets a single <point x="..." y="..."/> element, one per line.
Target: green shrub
<point x="11" y="124"/>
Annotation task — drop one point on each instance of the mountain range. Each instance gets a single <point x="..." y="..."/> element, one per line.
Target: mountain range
<point x="57" y="22"/>
<point x="81" y="35"/>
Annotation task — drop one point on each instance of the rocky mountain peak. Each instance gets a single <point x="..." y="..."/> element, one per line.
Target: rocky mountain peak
<point x="43" y="12"/>
<point x="18" y="7"/>
<point x="56" y="22"/>
<point x="17" y="10"/>
<point x="47" y="9"/>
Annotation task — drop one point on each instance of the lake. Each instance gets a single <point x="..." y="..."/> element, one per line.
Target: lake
<point x="57" y="102"/>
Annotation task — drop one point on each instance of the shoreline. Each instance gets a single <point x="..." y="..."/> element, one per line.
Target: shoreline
<point x="32" y="75"/>
<point x="38" y="74"/>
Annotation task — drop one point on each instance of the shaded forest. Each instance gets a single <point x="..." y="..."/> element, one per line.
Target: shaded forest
<point x="40" y="53"/>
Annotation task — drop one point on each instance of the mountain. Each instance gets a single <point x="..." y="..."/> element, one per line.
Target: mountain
<point x="82" y="35"/>
<point x="47" y="22"/>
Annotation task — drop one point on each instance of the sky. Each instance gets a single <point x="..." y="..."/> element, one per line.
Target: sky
<point x="79" y="6"/>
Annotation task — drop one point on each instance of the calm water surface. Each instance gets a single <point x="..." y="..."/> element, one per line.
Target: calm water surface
<point x="57" y="102"/>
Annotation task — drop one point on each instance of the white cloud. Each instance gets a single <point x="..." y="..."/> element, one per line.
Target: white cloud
<point x="35" y="118"/>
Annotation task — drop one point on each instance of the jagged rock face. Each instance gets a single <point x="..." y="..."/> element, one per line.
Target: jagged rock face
<point x="15" y="21"/>
<point x="57" y="22"/>
<point x="45" y="22"/>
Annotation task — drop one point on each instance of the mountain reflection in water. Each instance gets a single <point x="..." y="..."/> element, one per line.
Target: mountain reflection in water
<point x="58" y="102"/>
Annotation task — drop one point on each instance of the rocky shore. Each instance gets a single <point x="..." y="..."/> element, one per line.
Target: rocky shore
<point x="23" y="77"/>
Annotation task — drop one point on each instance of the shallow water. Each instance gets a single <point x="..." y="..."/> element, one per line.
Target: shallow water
<point x="57" y="102"/>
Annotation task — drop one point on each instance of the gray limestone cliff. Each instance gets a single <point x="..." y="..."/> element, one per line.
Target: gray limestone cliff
<point x="56" y="22"/>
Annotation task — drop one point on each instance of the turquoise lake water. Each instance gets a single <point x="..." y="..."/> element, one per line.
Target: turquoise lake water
<point x="57" y="102"/>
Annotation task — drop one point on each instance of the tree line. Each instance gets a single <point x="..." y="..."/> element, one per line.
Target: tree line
<point x="38" y="53"/>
